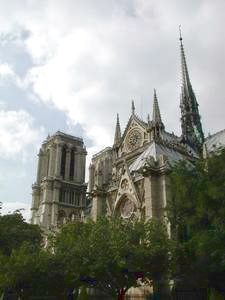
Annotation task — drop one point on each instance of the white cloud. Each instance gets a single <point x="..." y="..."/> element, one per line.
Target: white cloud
<point x="90" y="58"/>
<point x="7" y="75"/>
<point x="10" y="207"/>
<point x="17" y="132"/>
<point x="6" y="70"/>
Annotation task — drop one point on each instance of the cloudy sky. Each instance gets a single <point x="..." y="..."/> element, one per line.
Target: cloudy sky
<point x="72" y="65"/>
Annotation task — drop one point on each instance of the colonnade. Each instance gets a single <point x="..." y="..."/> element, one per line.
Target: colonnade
<point x="70" y="197"/>
<point x="63" y="161"/>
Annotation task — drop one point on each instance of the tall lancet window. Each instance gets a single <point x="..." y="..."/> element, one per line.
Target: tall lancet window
<point x="63" y="163"/>
<point x="72" y="164"/>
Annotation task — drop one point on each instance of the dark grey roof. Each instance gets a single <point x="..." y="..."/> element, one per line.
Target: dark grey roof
<point x="215" y="141"/>
<point x="155" y="150"/>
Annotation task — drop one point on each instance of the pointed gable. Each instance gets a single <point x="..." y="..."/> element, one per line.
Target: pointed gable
<point x="135" y="133"/>
<point x="134" y="121"/>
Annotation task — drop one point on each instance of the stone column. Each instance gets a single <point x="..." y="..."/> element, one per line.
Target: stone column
<point x="96" y="209"/>
<point x="51" y="161"/>
<point x="40" y="163"/>
<point x="67" y="168"/>
<point x="148" y="197"/>
<point x="35" y="202"/>
<point x="66" y="197"/>
<point x="58" y="159"/>
<point x="44" y="168"/>
<point x="75" y="166"/>
<point x="78" y="166"/>
<point x="55" y="204"/>
<point x="91" y="176"/>
<point x="166" y="195"/>
<point x="83" y="166"/>
<point x="45" y="210"/>
<point x="164" y="191"/>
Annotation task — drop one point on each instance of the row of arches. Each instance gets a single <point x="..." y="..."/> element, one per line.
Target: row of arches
<point x="64" y="217"/>
<point x="70" y="197"/>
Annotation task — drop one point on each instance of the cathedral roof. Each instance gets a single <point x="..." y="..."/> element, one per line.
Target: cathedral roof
<point x="156" y="150"/>
<point x="215" y="141"/>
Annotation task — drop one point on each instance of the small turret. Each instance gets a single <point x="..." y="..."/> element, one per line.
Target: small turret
<point x="156" y="126"/>
<point x="117" y="137"/>
<point x="156" y="116"/>
<point x="132" y="107"/>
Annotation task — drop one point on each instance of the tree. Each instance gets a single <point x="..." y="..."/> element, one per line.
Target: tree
<point x="32" y="271"/>
<point x="113" y="255"/>
<point x="14" y="231"/>
<point x="196" y="212"/>
<point x="19" y="241"/>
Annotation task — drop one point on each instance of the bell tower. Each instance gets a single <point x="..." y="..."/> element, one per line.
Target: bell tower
<point x="59" y="191"/>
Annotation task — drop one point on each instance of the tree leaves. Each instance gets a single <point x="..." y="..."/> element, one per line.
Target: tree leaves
<point x="112" y="254"/>
<point x="14" y="231"/>
<point x="196" y="212"/>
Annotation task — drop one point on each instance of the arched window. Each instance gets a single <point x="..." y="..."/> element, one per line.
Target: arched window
<point x="61" y="217"/>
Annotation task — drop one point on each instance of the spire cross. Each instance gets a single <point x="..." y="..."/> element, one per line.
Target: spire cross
<point x="117" y="119"/>
<point x="133" y="107"/>
<point x="180" y="33"/>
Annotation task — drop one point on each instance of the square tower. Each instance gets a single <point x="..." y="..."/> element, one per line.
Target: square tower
<point x="59" y="191"/>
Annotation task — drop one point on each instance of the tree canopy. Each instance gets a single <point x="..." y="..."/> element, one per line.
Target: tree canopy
<point x="19" y="241"/>
<point x="196" y="212"/>
<point x="14" y="231"/>
<point x="113" y="255"/>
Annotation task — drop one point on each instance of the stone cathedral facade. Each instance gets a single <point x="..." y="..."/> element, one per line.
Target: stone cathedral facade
<point x="128" y="179"/>
<point x="60" y="189"/>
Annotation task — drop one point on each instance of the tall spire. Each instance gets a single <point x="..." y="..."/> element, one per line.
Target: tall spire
<point x="192" y="133"/>
<point x="156" y="116"/>
<point x="117" y="137"/>
<point x="185" y="75"/>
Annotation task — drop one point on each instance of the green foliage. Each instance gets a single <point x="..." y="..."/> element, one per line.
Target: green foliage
<point x="14" y="231"/>
<point x="23" y="263"/>
<point x="111" y="255"/>
<point x="31" y="270"/>
<point x="197" y="216"/>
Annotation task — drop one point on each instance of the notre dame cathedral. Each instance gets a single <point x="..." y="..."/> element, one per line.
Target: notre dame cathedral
<point x="127" y="179"/>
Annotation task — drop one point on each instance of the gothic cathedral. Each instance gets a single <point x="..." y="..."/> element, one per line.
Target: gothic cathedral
<point x="128" y="179"/>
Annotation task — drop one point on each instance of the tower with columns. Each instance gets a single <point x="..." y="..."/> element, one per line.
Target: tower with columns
<point x="59" y="191"/>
